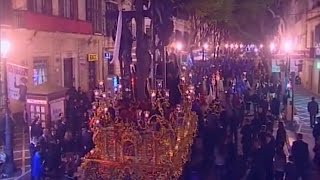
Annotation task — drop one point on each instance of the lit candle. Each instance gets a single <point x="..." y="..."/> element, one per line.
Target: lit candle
<point x="101" y="83"/>
<point x="139" y="112"/>
<point x="106" y="109"/>
<point x="146" y="114"/>
<point x="167" y="93"/>
<point x="153" y="94"/>
<point x="104" y="95"/>
<point x="96" y="92"/>
<point x="183" y="78"/>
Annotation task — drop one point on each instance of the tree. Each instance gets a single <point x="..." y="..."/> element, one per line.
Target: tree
<point x="256" y="20"/>
<point x="242" y="20"/>
<point x="208" y="18"/>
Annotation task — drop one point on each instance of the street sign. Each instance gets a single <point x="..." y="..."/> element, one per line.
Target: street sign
<point x="275" y="67"/>
<point x="92" y="57"/>
<point x="318" y="65"/>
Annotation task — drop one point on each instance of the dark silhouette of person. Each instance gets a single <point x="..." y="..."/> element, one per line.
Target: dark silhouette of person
<point x="313" y="109"/>
<point x="22" y="88"/>
<point x="300" y="153"/>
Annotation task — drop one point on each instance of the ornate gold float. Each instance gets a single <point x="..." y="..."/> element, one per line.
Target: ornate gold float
<point x="146" y="146"/>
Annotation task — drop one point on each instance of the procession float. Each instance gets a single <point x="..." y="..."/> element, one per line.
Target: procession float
<point x="135" y="141"/>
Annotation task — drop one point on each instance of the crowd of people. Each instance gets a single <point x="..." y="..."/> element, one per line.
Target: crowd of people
<point x="56" y="148"/>
<point x="236" y="137"/>
<point x="239" y="107"/>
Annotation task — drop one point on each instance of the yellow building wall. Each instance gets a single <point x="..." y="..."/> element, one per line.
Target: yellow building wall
<point x="25" y="45"/>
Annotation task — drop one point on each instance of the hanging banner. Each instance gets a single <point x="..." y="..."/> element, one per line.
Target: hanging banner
<point x="116" y="51"/>
<point x="17" y="79"/>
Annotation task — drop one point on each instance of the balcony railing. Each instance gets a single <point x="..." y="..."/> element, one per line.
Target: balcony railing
<point x="42" y="22"/>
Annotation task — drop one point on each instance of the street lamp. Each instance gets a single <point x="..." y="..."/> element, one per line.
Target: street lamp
<point x="179" y="46"/>
<point x="288" y="48"/>
<point x="205" y="47"/>
<point x="8" y="149"/>
<point x="272" y="46"/>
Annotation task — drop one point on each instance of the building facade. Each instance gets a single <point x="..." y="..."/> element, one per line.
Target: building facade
<point x="302" y="25"/>
<point x="64" y="42"/>
<point x="61" y="42"/>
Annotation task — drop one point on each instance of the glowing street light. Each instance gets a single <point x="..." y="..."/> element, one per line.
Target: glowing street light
<point x="232" y="46"/>
<point x="179" y="46"/>
<point x="287" y="46"/>
<point x="261" y="46"/>
<point x="272" y="46"/>
<point x="5" y="47"/>
<point x="226" y="46"/>
<point x="236" y="46"/>
<point x="206" y="46"/>
<point x="241" y="46"/>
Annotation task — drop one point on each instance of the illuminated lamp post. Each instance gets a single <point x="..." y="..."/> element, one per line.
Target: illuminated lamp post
<point x="179" y="48"/>
<point x="8" y="149"/>
<point x="288" y="48"/>
<point x="272" y="47"/>
<point x="205" y="47"/>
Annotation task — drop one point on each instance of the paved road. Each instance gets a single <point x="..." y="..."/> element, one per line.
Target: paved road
<point x="302" y="97"/>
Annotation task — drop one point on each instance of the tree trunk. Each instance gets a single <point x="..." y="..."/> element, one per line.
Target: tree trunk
<point x="141" y="79"/>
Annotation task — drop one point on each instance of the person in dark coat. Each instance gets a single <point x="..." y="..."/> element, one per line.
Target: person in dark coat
<point x="313" y="109"/>
<point x="300" y="153"/>
<point x="36" y="129"/>
<point x="316" y="151"/>
<point x="290" y="170"/>
<point x="275" y="107"/>
<point x="2" y="130"/>
<point x="281" y="137"/>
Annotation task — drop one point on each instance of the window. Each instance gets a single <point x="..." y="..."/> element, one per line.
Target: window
<point x="40" y="6"/>
<point x="5" y="11"/>
<point x="40" y="74"/>
<point x="68" y="9"/>
<point x="112" y="13"/>
<point x="96" y="15"/>
<point x="38" y="111"/>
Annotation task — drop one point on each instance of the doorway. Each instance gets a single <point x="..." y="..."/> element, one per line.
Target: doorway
<point x="92" y="75"/>
<point x="68" y="72"/>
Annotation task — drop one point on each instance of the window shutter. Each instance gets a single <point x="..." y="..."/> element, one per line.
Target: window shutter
<point x="74" y="9"/>
<point x="61" y="8"/>
<point x="30" y="5"/>
<point x="49" y="7"/>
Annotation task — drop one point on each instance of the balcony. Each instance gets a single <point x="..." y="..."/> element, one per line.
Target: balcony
<point x="42" y="22"/>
